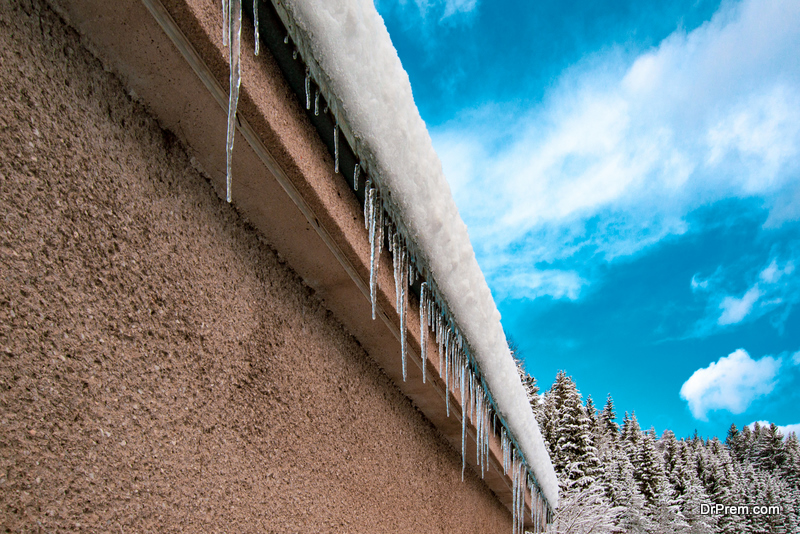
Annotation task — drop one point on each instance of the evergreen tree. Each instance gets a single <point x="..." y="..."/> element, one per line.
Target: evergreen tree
<point x="737" y="443"/>
<point x="607" y="418"/>
<point x="574" y="454"/>
<point x="619" y="480"/>
<point x="791" y="468"/>
<point x="623" y="492"/>
<point x="591" y="411"/>
<point x="769" y="454"/>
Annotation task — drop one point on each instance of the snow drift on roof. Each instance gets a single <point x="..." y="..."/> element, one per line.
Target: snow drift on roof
<point x="349" y="41"/>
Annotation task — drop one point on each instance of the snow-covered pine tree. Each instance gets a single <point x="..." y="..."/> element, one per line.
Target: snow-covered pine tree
<point x="584" y="507"/>
<point x="574" y="452"/>
<point x="717" y="472"/>
<point x="651" y="478"/>
<point x="769" y="454"/>
<point x="608" y="417"/>
<point x="623" y="492"/>
<point x="791" y="469"/>
<point x="687" y="488"/>
<point x="737" y="443"/>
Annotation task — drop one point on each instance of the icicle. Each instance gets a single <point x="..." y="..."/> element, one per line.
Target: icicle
<point x="316" y="102"/>
<point x="356" y="173"/>
<point x="367" y="187"/>
<point x="225" y="14"/>
<point x="336" y="147"/>
<point x="286" y="39"/>
<point x="381" y="223"/>
<point x="395" y="268"/>
<point x="463" y="423"/>
<point x="371" y="202"/>
<point x="446" y="370"/>
<point x="478" y="420"/>
<point x="234" y="18"/>
<point x="294" y="53"/>
<point x="308" y="89"/>
<point x="484" y="437"/>
<point x="255" y="25"/>
<point x="423" y="327"/>
<point x="403" y="297"/>
<point x="515" y="491"/>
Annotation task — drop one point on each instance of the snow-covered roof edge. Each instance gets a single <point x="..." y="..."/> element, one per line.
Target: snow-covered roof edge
<point x="349" y="41"/>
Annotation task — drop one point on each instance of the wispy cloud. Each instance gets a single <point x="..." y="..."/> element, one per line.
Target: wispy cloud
<point x="775" y="287"/>
<point x="731" y="383"/>
<point x="437" y="10"/>
<point x="622" y="149"/>
<point x="735" y="309"/>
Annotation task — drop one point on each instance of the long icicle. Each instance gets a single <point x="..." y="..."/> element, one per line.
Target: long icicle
<point x="255" y="26"/>
<point x="356" y="173"/>
<point x="308" y="90"/>
<point x="403" y="296"/>
<point x="463" y="422"/>
<point x="446" y="369"/>
<point x="234" y="18"/>
<point x="423" y="327"/>
<point x="372" y="201"/>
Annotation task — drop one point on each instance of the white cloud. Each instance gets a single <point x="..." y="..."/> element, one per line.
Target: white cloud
<point x="438" y="9"/>
<point x="772" y="273"/>
<point x="796" y="358"/>
<point x="532" y="284"/>
<point x="698" y="284"/>
<point x="731" y="383"/>
<point x="774" y="287"/>
<point x="620" y="151"/>
<point x="734" y="310"/>
<point x="784" y="429"/>
<point x="789" y="429"/>
<point x="451" y="7"/>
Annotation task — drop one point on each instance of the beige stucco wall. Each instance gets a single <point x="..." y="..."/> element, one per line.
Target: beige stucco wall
<point x="161" y="368"/>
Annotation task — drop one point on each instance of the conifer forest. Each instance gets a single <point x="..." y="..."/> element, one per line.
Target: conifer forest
<point x="616" y="477"/>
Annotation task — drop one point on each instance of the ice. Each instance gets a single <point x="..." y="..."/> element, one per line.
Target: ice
<point x="308" y="88"/>
<point x="233" y="15"/>
<point x="356" y="172"/>
<point x="463" y="422"/>
<point x="225" y="29"/>
<point x="255" y="25"/>
<point x="447" y="370"/>
<point x="336" y="147"/>
<point x="371" y="93"/>
<point x="423" y="322"/>
<point x="316" y="102"/>
<point x="371" y="221"/>
<point x="400" y="265"/>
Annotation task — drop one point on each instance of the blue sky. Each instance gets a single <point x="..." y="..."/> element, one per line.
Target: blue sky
<point x="630" y="175"/>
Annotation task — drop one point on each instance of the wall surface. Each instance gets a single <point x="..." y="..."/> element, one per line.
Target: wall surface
<point x="161" y="368"/>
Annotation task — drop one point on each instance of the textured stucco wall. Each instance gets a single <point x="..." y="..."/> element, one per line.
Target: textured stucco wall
<point x="161" y="368"/>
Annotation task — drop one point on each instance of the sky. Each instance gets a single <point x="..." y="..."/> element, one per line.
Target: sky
<point x="629" y="172"/>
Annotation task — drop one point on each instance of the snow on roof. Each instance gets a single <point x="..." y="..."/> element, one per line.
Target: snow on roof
<point x="349" y="41"/>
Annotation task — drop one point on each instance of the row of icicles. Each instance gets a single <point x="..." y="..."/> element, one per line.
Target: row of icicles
<point x="457" y="369"/>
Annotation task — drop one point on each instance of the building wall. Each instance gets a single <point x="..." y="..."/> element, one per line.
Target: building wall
<point x="161" y="368"/>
